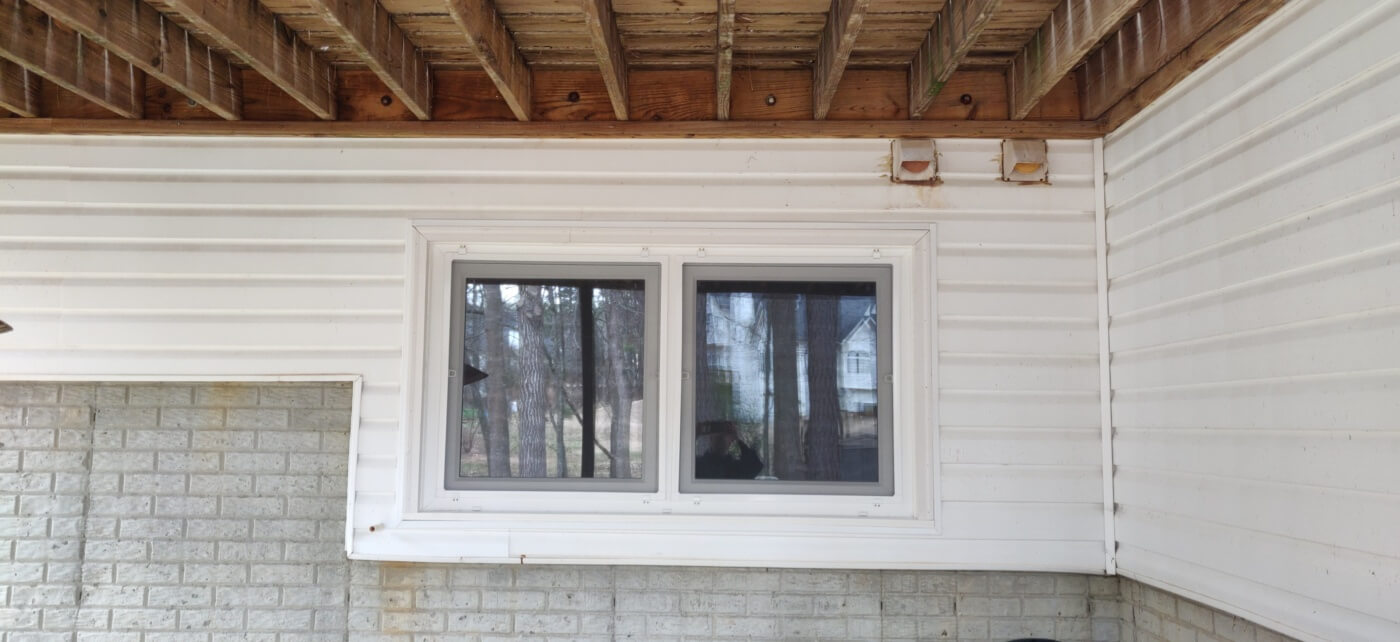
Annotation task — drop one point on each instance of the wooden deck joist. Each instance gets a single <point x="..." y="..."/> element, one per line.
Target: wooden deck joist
<point x="267" y="44"/>
<point x="947" y="43"/>
<point x="1068" y="35"/>
<point x="369" y="30"/>
<point x="19" y="90"/>
<point x="838" y="39"/>
<point x="38" y="43"/>
<point x="155" y="44"/>
<point x="496" y="50"/>
<point x="607" y="45"/>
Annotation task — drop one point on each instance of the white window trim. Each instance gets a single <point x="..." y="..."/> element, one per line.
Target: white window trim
<point x="433" y="524"/>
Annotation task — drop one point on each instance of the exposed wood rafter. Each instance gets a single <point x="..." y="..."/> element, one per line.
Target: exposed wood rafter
<point x="369" y="30"/>
<point x="1217" y="38"/>
<point x="903" y="128"/>
<point x="1067" y="36"/>
<point x="494" y="47"/>
<point x="724" y="56"/>
<point x="33" y="40"/>
<point x="1158" y="32"/>
<point x="19" y="89"/>
<point x="944" y="48"/>
<point x="602" y="31"/>
<point x="158" y="46"/>
<point x="265" y="43"/>
<point x="843" y="25"/>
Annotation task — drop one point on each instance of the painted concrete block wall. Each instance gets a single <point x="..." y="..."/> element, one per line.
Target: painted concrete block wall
<point x="1255" y="333"/>
<point x="1153" y="615"/>
<point x="214" y="513"/>
<point x="164" y="256"/>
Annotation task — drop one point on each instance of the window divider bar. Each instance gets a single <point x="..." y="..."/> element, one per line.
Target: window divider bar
<point x="589" y="375"/>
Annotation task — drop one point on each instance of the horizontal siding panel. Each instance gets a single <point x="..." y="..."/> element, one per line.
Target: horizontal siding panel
<point x="1257" y="506"/>
<point x="1046" y="446"/>
<point x="1016" y="372"/>
<point x="1055" y="522"/>
<point x="1353" y="402"/>
<point x="1293" y="457"/>
<point x="1012" y="483"/>
<point x="263" y="297"/>
<point x="1325" y="573"/>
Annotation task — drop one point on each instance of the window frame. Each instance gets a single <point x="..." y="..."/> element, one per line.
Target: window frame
<point x="434" y="524"/>
<point x="650" y="275"/>
<point x="882" y="276"/>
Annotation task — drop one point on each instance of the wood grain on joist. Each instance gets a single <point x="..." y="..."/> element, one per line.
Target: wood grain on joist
<point x="838" y="38"/>
<point x="154" y="43"/>
<point x="33" y="40"/>
<point x="262" y="40"/>
<point x="724" y="56"/>
<point x="494" y="47"/>
<point x="1212" y="42"/>
<point x="602" y="32"/>
<point x="903" y="128"/>
<point x="368" y="29"/>
<point x="1067" y="36"/>
<point x="1159" y="31"/>
<point x="944" y="47"/>
<point x="19" y="89"/>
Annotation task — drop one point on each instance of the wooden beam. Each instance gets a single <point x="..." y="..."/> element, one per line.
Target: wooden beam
<point x="1156" y="34"/>
<point x="843" y="24"/>
<point x="945" y="45"/>
<point x="602" y="31"/>
<point x="266" y="44"/>
<point x="1062" y="42"/>
<point x="145" y="38"/>
<point x="902" y="128"/>
<point x="1216" y="39"/>
<point x="33" y="40"/>
<point x="19" y="89"/>
<point x="369" y="30"/>
<point x="495" y="48"/>
<point x="724" y="56"/>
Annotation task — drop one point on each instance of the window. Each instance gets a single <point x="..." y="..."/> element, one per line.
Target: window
<point x="549" y="387"/>
<point x="766" y="408"/>
<point x="596" y="380"/>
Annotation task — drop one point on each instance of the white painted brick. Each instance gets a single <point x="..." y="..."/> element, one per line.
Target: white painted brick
<point x="400" y="598"/>
<point x="216" y="573"/>
<point x="289" y="440"/>
<point x="1055" y="606"/>
<point x="315" y="551"/>
<point x="225" y="484"/>
<point x="1195" y="615"/>
<point x="580" y="600"/>
<point x="812" y="628"/>
<point x="158" y="439"/>
<point x="281" y="573"/>
<point x="151" y="528"/>
<point x="289" y="485"/>
<point x="154" y="483"/>
<point x="114" y="595"/>
<point x="182" y="551"/>
<point x="255" y="463"/>
<point x="974" y="628"/>
<point x="918" y="604"/>
<point x="419" y="621"/>
<point x="187" y="506"/>
<point x="480" y="622"/>
<point x="989" y="606"/>
<point x="320" y="462"/>
<point x="716" y="603"/>
<point x="128" y="573"/>
<point x="230" y="395"/>
<point x="313" y="596"/>
<point x="229" y="529"/>
<point x="511" y="600"/>
<point x="51" y="505"/>
<point x="55" y="460"/>
<point x="251" y="507"/>
<point x="44" y="595"/>
<point x="26" y="438"/>
<point x="59" y="416"/>
<point x="1020" y="584"/>
<point x="290" y="396"/>
<point x="537" y="623"/>
<point x="115" y="551"/>
<point x="247" y="596"/>
<point x="108" y="636"/>
<point x="679" y="625"/>
<point x="108" y="417"/>
<point x="120" y="505"/>
<point x="761" y="604"/>
<point x="167" y="395"/>
<point x="142" y="619"/>
<point x="220" y="619"/>
<point x="284" y="619"/>
<point x="188" y="462"/>
<point x="332" y="419"/>
<point x="179" y="596"/>
<point x="257" y="418"/>
<point x="223" y="440"/>
<point x="204" y="418"/>
<point x="21" y="394"/>
<point x="972" y="583"/>
<point x="1022" y="627"/>
<point x="250" y="551"/>
<point x="46" y="549"/>
<point x="757" y="627"/>
<point x="285" y="529"/>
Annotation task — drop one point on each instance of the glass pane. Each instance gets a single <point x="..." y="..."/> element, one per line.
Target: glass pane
<point x="552" y="378"/>
<point x="786" y="384"/>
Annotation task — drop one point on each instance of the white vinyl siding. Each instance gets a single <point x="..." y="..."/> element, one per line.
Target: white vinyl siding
<point x="1255" y="301"/>
<point x="286" y="256"/>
